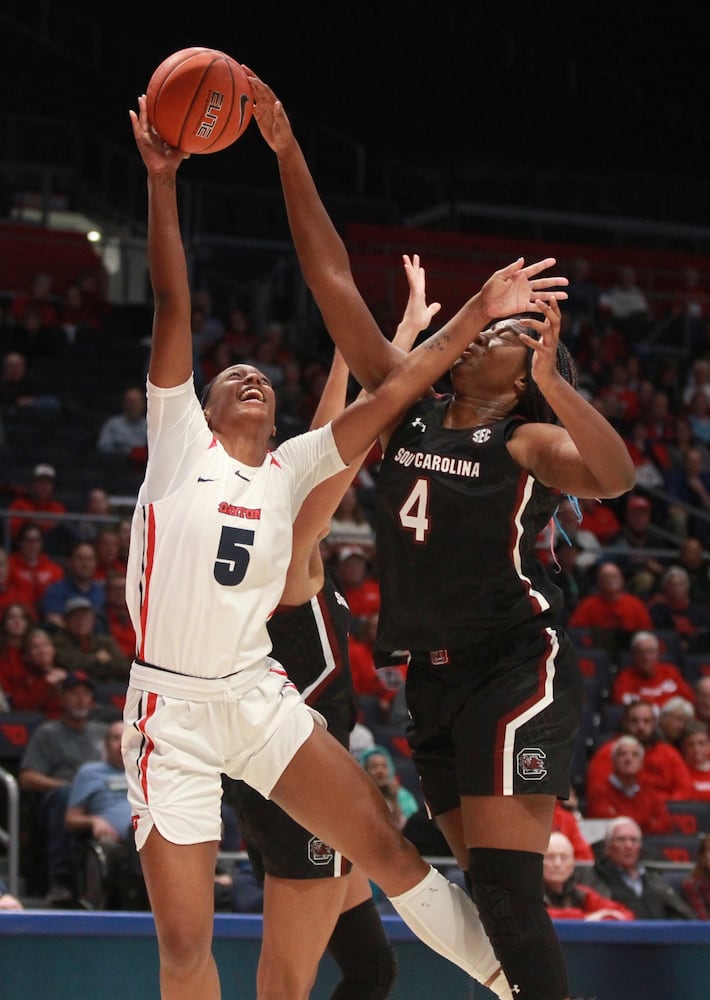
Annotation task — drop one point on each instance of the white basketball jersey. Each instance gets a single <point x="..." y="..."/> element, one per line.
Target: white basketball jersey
<point x="211" y="539"/>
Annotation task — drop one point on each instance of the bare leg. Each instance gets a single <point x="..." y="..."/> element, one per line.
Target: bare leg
<point x="299" y="917"/>
<point x="180" y="883"/>
<point x="327" y="792"/>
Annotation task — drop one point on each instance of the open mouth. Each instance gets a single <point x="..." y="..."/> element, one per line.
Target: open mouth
<point x="251" y="394"/>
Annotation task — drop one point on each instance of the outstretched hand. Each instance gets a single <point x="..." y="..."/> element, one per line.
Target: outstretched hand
<point x="516" y="288"/>
<point x="269" y="114"/>
<point x="417" y="313"/>
<point x="155" y="152"/>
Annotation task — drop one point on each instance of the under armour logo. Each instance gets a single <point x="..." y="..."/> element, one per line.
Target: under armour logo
<point x="418" y="422"/>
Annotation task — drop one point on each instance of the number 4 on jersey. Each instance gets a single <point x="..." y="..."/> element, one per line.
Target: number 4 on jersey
<point x="414" y="512"/>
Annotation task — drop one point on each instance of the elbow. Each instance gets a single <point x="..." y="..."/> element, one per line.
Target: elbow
<point x="619" y="482"/>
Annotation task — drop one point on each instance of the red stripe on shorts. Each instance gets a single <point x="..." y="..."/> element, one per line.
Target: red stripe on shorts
<point x="149" y="745"/>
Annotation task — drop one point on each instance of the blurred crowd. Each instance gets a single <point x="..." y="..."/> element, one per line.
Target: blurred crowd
<point x="634" y="575"/>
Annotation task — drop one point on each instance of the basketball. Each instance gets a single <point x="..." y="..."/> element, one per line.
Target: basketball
<point x="199" y="100"/>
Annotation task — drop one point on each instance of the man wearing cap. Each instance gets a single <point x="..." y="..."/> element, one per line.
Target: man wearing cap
<point x="80" y="647"/>
<point x="361" y="590"/>
<point x="639" y="534"/>
<point x="78" y="581"/>
<point x="55" y="752"/>
<point x="38" y="499"/>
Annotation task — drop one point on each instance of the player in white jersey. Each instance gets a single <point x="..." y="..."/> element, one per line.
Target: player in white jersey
<point x="210" y="549"/>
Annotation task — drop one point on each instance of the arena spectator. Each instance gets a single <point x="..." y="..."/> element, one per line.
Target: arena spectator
<point x="695" y="747"/>
<point x="647" y="677"/>
<point x="56" y="749"/>
<point x="565" y="821"/>
<point x="626" y="307"/>
<point x="621" y="874"/>
<point x="691" y="485"/>
<point x="369" y="681"/>
<point x="125" y="433"/>
<point x="695" y="889"/>
<point x="80" y="647"/>
<point x="673" y="718"/>
<point x="117" y="616"/>
<point x="672" y="609"/>
<point x="566" y="898"/>
<point x="641" y="569"/>
<point x="663" y="766"/>
<point x="349" y="525"/>
<point x="702" y="699"/>
<point x="696" y="563"/>
<point x="613" y="613"/>
<point x="13" y="592"/>
<point x="599" y="518"/>
<point x="98" y="807"/>
<point x="39" y="499"/>
<point x="359" y="586"/>
<point x="379" y="764"/>
<point x="78" y="581"/>
<point x="15" y="623"/>
<point x="29" y="565"/>
<point x="39" y="687"/>
<point x="625" y="792"/>
<point x="20" y="388"/>
<point x="107" y="547"/>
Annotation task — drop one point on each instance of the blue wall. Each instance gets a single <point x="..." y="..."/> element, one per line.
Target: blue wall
<point x="113" y="956"/>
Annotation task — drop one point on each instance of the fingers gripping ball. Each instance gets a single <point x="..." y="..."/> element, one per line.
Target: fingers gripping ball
<point x="199" y="100"/>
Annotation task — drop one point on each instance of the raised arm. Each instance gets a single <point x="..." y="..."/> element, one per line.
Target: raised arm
<point x="305" y="572"/>
<point x="585" y="457"/>
<point x="321" y="252"/>
<point x="171" y="351"/>
<point x="512" y="290"/>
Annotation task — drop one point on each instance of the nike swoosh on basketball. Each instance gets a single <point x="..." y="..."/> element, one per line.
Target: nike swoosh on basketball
<point x="243" y="101"/>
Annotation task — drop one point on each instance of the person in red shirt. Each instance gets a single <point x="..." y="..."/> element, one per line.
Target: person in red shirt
<point x="695" y="747"/>
<point x="39" y="499"/>
<point x="613" y="612"/>
<point x="360" y="588"/>
<point x="30" y="566"/>
<point x="663" y="767"/>
<point x="564" y="821"/>
<point x="625" y="792"/>
<point x="599" y="518"/>
<point x="116" y="614"/>
<point x="38" y="687"/>
<point x="648" y="678"/>
<point x="368" y="680"/>
<point x="565" y="897"/>
<point x="15" y="622"/>
<point x="108" y="553"/>
<point x="12" y="592"/>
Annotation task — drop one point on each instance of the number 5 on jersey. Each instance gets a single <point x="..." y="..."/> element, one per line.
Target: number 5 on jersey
<point x="232" y="557"/>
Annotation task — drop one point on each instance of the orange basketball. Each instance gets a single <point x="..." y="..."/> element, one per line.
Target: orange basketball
<point x="199" y="100"/>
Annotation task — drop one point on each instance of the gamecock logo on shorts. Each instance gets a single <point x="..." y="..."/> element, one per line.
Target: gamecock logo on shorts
<point x="531" y="764"/>
<point x="319" y="853"/>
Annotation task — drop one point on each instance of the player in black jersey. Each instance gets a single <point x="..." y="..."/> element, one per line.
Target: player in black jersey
<point x="307" y="884"/>
<point x="467" y="482"/>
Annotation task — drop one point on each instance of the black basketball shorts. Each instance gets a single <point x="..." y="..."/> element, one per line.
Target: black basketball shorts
<point x="500" y="719"/>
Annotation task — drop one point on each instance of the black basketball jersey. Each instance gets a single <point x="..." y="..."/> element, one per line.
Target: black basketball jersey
<point x="311" y="642"/>
<point x="457" y="526"/>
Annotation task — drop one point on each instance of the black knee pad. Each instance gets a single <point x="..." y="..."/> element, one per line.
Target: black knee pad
<point x="362" y="950"/>
<point x="507" y="888"/>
